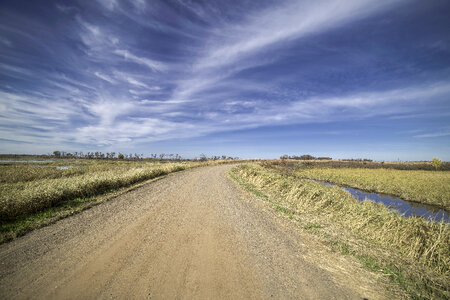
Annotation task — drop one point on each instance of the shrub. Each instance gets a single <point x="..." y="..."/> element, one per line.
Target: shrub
<point x="436" y="163"/>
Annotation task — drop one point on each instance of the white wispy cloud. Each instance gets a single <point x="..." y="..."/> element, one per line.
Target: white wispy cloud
<point x="109" y="4"/>
<point x="105" y="77"/>
<point x="107" y="110"/>
<point x="133" y="79"/>
<point x="148" y="89"/>
<point x="139" y="4"/>
<point x="37" y="121"/>
<point x="14" y="69"/>
<point x="152" y="127"/>
<point x="64" y="8"/>
<point x="235" y="47"/>
<point x="152" y="64"/>
<point x="98" y="40"/>
<point x="432" y="135"/>
<point x="293" y="20"/>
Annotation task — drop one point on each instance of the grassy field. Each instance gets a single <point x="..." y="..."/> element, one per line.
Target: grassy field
<point x="413" y="252"/>
<point x="395" y="165"/>
<point x="430" y="187"/>
<point x="35" y="194"/>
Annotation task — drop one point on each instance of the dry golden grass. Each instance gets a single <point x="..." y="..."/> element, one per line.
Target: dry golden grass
<point x="425" y="244"/>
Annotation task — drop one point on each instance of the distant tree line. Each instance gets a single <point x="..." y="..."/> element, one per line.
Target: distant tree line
<point x="114" y="155"/>
<point x="203" y="157"/>
<point x="304" y="157"/>
<point x="357" y="159"/>
<point x="97" y="155"/>
<point x="310" y="157"/>
<point x="135" y="156"/>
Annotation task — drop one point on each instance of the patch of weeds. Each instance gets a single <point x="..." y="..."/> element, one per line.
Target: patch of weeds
<point x="312" y="226"/>
<point x="415" y="288"/>
<point x="369" y="262"/>
<point x="284" y="210"/>
<point x="341" y="247"/>
<point x="81" y="200"/>
<point x="257" y="193"/>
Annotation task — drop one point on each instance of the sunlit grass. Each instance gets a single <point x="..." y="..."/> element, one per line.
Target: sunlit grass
<point x="24" y="172"/>
<point x="25" y="196"/>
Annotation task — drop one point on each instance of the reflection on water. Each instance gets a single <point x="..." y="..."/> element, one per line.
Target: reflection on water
<point x="63" y="167"/>
<point x="406" y="208"/>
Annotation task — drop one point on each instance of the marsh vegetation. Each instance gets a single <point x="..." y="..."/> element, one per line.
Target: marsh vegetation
<point x="429" y="187"/>
<point x="27" y="189"/>
<point x="413" y="252"/>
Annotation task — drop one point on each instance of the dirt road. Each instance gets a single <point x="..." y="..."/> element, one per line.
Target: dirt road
<point x="194" y="234"/>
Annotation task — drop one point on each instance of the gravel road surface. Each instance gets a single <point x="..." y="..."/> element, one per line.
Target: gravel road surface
<point x="190" y="235"/>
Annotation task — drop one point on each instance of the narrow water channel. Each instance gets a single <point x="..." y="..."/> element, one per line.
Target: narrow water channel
<point x="406" y="208"/>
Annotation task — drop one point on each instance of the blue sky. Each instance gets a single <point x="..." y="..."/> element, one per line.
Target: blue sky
<point x="353" y="78"/>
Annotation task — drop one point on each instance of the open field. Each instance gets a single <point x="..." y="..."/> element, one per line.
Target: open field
<point x="396" y="165"/>
<point x="30" y="188"/>
<point x="18" y="172"/>
<point x="412" y="251"/>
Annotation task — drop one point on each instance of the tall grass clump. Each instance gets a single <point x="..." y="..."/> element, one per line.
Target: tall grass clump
<point x="424" y="242"/>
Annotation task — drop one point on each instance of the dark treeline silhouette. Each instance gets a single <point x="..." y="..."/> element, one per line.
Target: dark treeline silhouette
<point x="310" y="157"/>
<point x="135" y="156"/>
<point x="203" y="157"/>
<point x="357" y="159"/>
<point x="304" y="157"/>
<point x="359" y="163"/>
<point x="97" y="155"/>
<point x="114" y="156"/>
